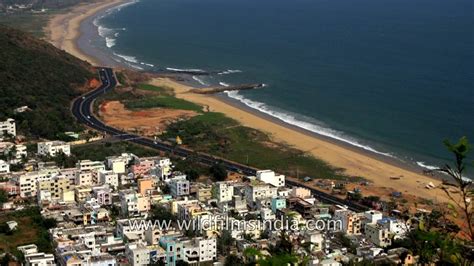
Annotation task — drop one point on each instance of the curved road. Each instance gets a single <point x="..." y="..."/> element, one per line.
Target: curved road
<point x="82" y="110"/>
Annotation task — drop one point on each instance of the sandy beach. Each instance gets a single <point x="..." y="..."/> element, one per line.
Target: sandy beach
<point x="63" y="30"/>
<point x="356" y="163"/>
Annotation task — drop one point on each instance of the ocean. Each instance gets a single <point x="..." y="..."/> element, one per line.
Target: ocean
<point x="392" y="77"/>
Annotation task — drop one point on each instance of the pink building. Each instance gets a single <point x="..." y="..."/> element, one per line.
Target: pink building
<point x="143" y="167"/>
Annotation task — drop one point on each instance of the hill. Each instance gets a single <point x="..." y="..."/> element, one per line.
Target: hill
<point x="46" y="79"/>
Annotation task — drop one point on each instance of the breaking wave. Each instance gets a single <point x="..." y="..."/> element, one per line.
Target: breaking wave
<point x="224" y="84"/>
<point x="292" y="120"/>
<point x="185" y="70"/>
<point x="230" y="71"/>
<point x="202" y="82"/>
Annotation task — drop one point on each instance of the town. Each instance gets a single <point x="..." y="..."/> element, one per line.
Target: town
<point x="95" y="207"/>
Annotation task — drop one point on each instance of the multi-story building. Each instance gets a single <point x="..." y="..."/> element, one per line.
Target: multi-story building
<point x="4" y="167"/>
<point x="134" y="204"/>
<point x="103" y="195"/>
<point x="108" y="177"/>
<point x="56" y="185"/>
<point x="378" y="234"/>
<point x="53" y="148"/>
<point x="258" y="190"/>
<point x="142" y="167"/>
<point x="82" y="193"/>
<point x="85" y="178"/>
<point x="162" y="169"/>
<point x="222" y="191"/>
<point x="27" y="181"/>
<point x="8" y="127"/>
<point x="145" y="185"/>
<point x="269" y="177"/>
<point x="138" y="254"/>
<point x="351" y="222"/>
<point x="179" y="186"/>
<point x="118" y="164"/>
<point x="88" y="165"/>
<point x="204" y="192"/>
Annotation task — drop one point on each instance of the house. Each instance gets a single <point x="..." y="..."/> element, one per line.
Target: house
<point x="179" y="186"/>
<point x="269" y="177"/>
<point x="257" y="190"/>
<point x="88" y="165"/>
<point x="53" y="148"/>
<point x="39" y="259"/>
<point x="204" y="192"/>
<point x="108" y="177"/>
<point x="222" y="191"/>
<point x="145" y="185"/>
<point x="28" y="181"/>
<point x="4" y="167"/>
<point x="378" y="234"/>
<point x="118" y="164"/>
<point x="12" y="225"/>
<point x="133" y="204"/>
<point x="8" y="127"/>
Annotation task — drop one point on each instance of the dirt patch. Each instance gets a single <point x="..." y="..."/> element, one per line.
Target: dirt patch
<point x="148" y="122"/>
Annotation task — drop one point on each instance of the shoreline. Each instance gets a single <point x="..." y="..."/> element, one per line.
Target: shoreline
<point x="68" y="31"/>
<point x="76" y="37"/>
<point x="375" y="169"/>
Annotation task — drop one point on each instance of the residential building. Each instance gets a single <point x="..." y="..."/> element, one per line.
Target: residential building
<point x="28" y="181"/>
<point x="56" y="185"/>
<point x="378" y="234"/>
<point x="145" y="185"/>
<point x="53" y="148"/>
<point x="222" y="191"/>
<point x="269" y="177"/>
<point x="4" y="167"/>
<point x="179" y="186"/>
<point x="39" y="259"/>
<point x="134" y="204"/>
<point x="351" y="221"/>
<point x="8" y="127"/>
<point x="258" y="190"/>
<point x="88" y="165"/>
<point x="103" y="195"/>
<point x="108" y="177"/>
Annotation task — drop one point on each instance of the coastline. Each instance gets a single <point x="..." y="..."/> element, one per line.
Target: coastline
<point x="355" y="162"/>
<point x="64" y="30"/>
<point x="74" y="30"/>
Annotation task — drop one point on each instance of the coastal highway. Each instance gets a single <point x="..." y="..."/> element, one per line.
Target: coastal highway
<point x="82" y="109"/>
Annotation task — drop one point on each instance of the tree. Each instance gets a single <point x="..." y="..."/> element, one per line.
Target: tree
<point x="224" y="242"/>
<point x="233" y="260"/>
<point x="218" y="172"/>
<point x="460" y="185"/>
<point x="3" y="196"/>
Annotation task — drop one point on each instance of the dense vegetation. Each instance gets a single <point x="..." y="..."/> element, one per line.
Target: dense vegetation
<point x="46" y="79"/>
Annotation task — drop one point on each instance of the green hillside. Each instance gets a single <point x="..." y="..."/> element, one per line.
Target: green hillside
<point x="46" y="79"/>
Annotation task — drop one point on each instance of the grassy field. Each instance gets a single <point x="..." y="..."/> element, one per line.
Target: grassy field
<point x="162" y="102"/>
<point x="219" y="135"/>
<point x="31" y="229"/>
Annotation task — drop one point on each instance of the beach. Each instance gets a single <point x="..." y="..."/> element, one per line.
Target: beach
<point x="355" y="163"/>
<point x="64" y="32"/>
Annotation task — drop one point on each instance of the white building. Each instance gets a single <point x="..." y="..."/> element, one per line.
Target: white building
<point x="53" y="148"/>
<point x="88" y="165"/>
<point x="137" y="254"/>
<point x="223" y="192"/>
<point x="269" y="177"/>
<point x="39" y="259"/>
<point x="118" y="164"/>
<point x="163" y="169"/>
<point x="378" y="234"/>
<point x="179" y="186"/>
<point x="28" y="181"/>
<point x="4" y="167"/>
<point x="133" y="204"/>
<point x="84" y="178"/>
<point x="8" y="126"/>
<point x="258" y="191"/>
<point x="109" y="177"/>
